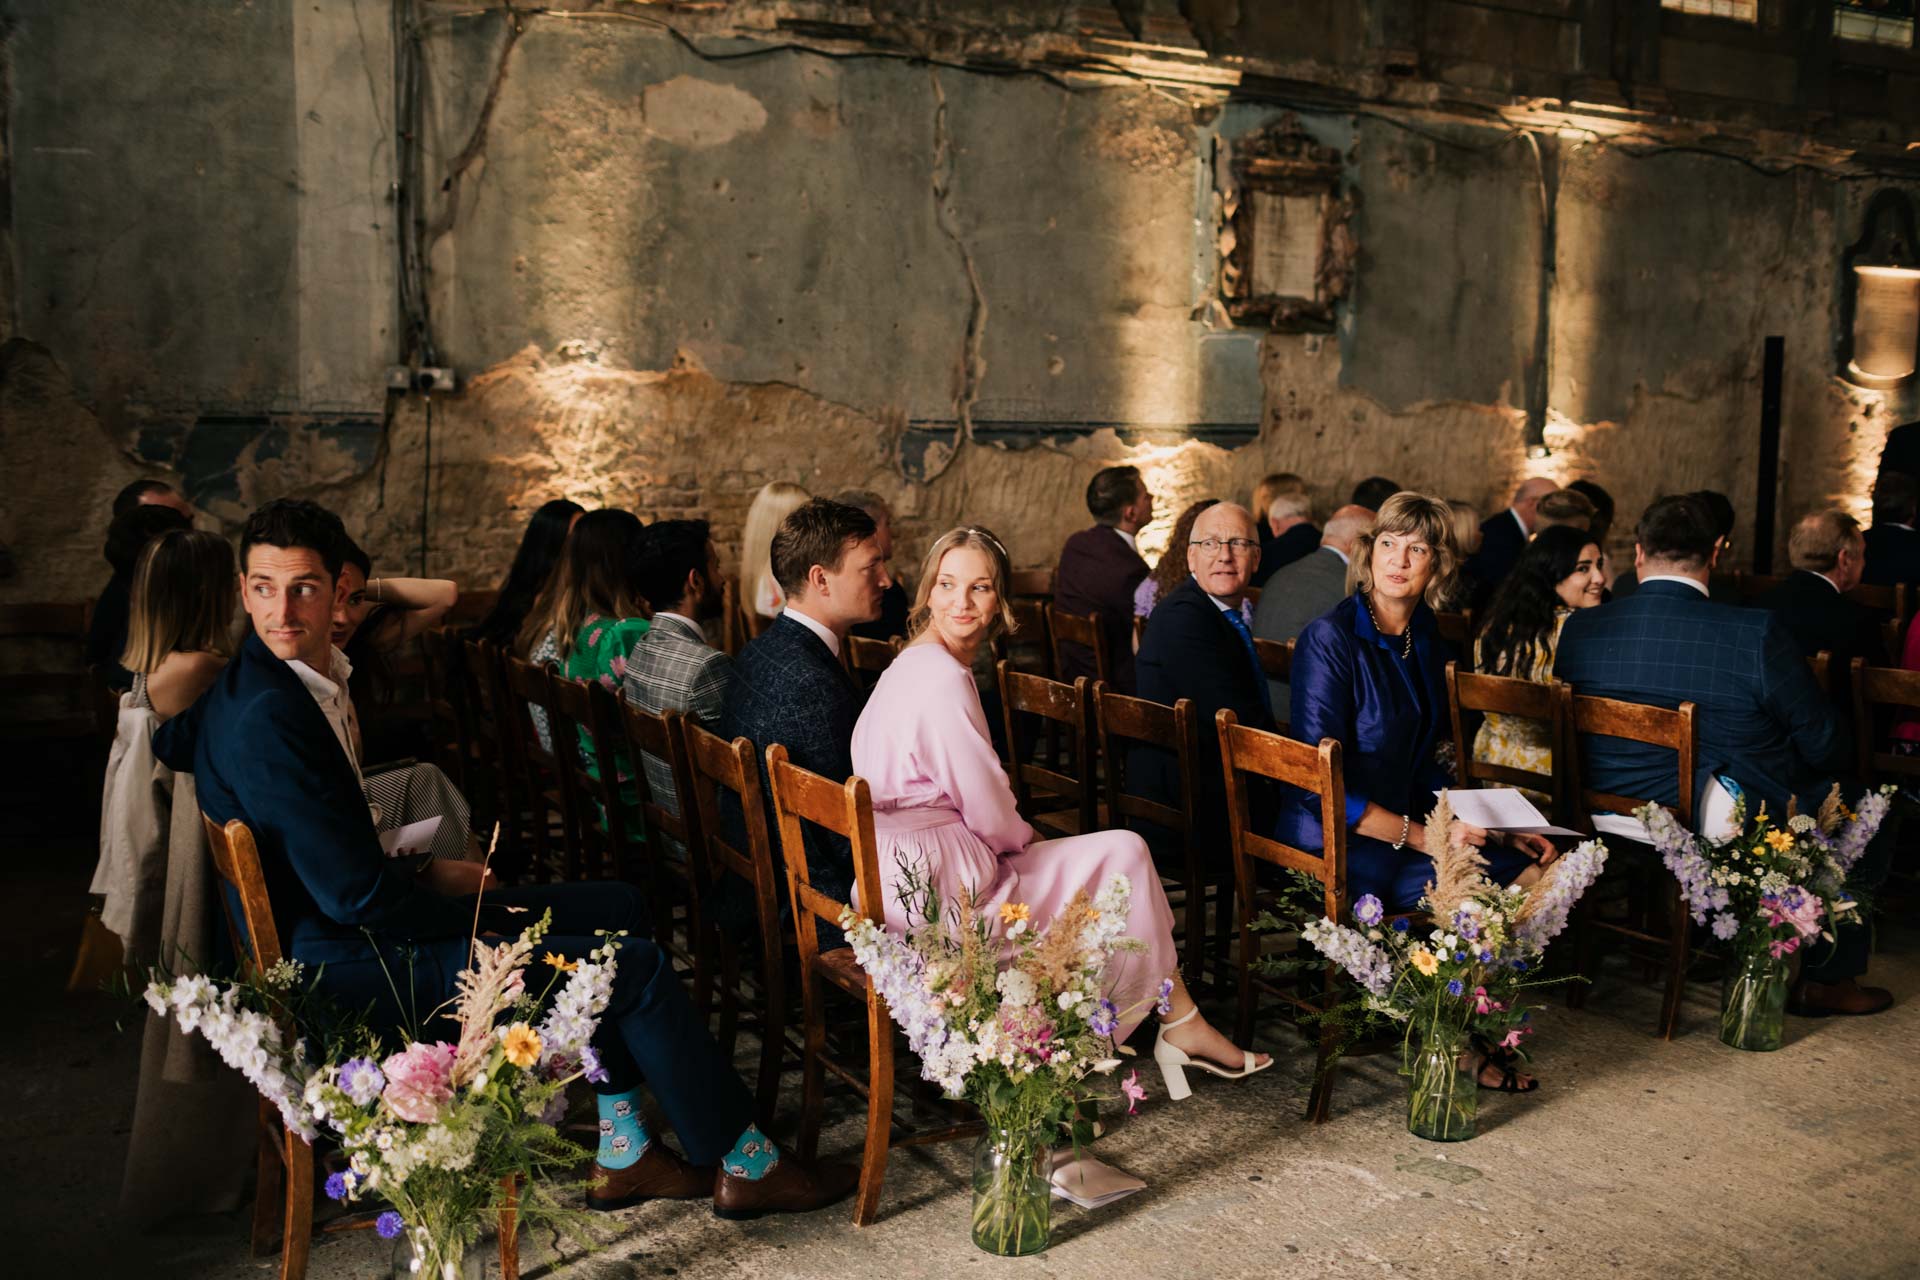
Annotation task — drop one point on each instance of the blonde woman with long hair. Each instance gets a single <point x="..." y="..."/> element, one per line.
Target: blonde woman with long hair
<point x="942" y="806"/>
<point x="759" y="591"/>
<point x="180" y="615"/>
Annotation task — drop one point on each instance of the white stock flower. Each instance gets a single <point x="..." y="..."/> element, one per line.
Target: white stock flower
<point x="1016" y="988"/>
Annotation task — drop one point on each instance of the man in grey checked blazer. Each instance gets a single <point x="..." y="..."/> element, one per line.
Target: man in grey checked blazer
<point x="672" y="667"/>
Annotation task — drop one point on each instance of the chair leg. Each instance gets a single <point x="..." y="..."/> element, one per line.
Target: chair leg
<point x="1243" y="1021"/>
<point x="1676" y="965"/>
<point x="297" y="1227"/>
<point x="509" y="1228"/>
<point x="1195" y="951"/>
<point x="773" y="1034"/>
<point x="1320" y="1100"/>
<point x="873" y="1160"/>
<point x="270" y="1181"/>
<point x="729" y="997"/>
<point x="812" y="1089"/>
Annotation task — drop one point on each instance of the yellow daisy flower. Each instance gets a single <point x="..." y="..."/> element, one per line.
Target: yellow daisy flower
<point x="522" y="1045"/>
<point x="1010" y="912"/>
<point x="1425" y="961"/>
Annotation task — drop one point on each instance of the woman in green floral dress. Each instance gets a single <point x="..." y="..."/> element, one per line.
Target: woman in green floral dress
<point x="598" y="614"/>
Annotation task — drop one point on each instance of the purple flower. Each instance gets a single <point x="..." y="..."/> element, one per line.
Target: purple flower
<point x="361" y="1080"/>
<point x="1400" y="925"/>
<point x="1725" y="925"/>
<point x="1104" y="1018"/>
<point x="1459" y="957"/>
<point x="389" y="1225"/>
<point x="337" y="1186"/>
<point x="590" y="1065"/>
<point x="1455" y="987"/>
<point x="1163" y="1003"/>
<point x="1368" y="910"/>
<point x="1486" y="957"/>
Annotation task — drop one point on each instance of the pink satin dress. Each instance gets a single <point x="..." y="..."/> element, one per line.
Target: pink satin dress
<point x="942" y="804"/>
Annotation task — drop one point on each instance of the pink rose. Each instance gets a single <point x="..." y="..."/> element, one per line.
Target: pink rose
<point x="418" y="1081"/>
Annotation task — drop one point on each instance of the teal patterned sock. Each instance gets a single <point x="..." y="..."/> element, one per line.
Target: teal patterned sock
<point x="753" y="1157"/>
<point x="623" y="1136"/>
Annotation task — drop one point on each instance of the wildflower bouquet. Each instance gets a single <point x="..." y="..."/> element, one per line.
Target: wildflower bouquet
<point x="1464" y="977"/>
<point x="436" y="1129"/>
<point x="1018" y="1025"/>
<point x="1769" y="892"/>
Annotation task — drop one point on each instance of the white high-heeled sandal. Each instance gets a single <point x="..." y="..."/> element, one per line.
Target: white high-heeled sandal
<point x="1173" y="1061"/>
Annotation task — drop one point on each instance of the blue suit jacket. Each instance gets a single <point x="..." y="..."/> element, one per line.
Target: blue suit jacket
<point x="789" y="688"/>
<point x="1386" y="712"/>
<point x="1760" y="718"/>
<point x="260" y="750"/>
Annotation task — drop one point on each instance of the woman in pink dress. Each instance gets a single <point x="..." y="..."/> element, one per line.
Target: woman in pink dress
<point x="942" y="807"/>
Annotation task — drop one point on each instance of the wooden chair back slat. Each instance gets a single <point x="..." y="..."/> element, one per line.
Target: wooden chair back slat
<point x="1035" y="583"/>
<point x="868" y="659"/>
<point x="1081" y="629"/>
<point x="527" y="685"/>
<point x="1468" y="693"/>
<point x="845" y="809"/>
<point x="712" y="763"/>
<point x="1276" y="657"/>
<point x="236" y="860"/>
<point x="1877" y="690"/>
<point x="1457" y="630"/>
<point x="1820" y="665"/>
<point x="1029" y="645"/>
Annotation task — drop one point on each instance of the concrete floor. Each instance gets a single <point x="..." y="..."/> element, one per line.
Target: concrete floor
<point x="1636" y="1159"/>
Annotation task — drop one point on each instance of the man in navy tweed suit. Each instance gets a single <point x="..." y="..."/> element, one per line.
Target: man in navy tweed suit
<point x="788" y="685"/>
<point x="1760" y="718"/>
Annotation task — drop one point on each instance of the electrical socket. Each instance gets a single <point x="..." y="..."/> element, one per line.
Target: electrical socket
<point x="402" y="378"/>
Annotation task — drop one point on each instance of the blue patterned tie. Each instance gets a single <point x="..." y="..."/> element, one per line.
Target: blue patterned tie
<point x="1239" y="623"/>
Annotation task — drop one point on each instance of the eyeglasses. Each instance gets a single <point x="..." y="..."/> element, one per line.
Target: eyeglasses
<point x="1238" y="546"/>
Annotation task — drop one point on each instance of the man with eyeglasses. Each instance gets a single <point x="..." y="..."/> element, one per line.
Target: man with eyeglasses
<point x="1199" y="646"/>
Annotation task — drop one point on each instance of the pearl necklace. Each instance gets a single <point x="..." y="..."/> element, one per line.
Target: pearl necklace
<point x="1406" y="649"/>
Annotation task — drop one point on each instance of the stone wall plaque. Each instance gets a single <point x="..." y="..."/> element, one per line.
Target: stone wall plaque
<point x="1289" y="254"/>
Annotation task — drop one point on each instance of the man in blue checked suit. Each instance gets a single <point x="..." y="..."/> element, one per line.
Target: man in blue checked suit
<point x="789" y="686"/>
<point x="1760" y="718"/>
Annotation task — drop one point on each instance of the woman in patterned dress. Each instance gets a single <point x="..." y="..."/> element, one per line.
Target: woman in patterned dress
<point x="1561" y="570"/>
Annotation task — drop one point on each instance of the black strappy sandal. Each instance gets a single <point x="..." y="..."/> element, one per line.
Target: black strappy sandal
<point x="1508" y="1062"/>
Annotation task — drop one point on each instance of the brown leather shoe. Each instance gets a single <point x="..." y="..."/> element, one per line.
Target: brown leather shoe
<point x="789" y="1187"/>
<point x="1838" y="1000"/>
<point x="659" y="1174"/>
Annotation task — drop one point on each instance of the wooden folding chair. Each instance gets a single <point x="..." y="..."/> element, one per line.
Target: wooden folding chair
<point x="733" y="632"/>
<point x="1084" y="630"/>
<point x="868" y="659"/>
<point x="1656" y="726"/>
<point x="284" y="1161"/>
<point x="1123" y="720"/>
<point x="1276" y="662"/>
<point x="1878" y="692"/>
<point x="495" y="790"/>
<point x="668" y="848"/>
<point x="549" y="802"/>
<point x="1508" y="696"/>
<point x="1055" y="801"/>
<point x="712" y="763"/>
<point x="1035" y="584"/>
<point x="446" y="711"/>
<point x="1315" y="769"/>
<point x="1028" y="645"/>
<point x="1457" y="630"/>
<point x="1821" y="666"/>
<point x="846" y="809"/>
<point x="597" y="839"/>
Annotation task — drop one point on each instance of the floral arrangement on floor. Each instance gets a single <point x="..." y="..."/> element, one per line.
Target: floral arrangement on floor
<point x="435" y="1129"/>
<point x="1017" y="1024"/>
<point x="1461" y="978"/>
<point x="1769" y="892"/>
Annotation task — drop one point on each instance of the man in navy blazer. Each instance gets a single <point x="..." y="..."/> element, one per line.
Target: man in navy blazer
<point x="1199" y="646"/>
<point x="272" y="743"/>
<point x="1761" y="720"/>
<point x="1892" y="544"/>
<point x="1099" y="569"/>
<point x="788" y="684"/>
<point x="1503" y="536"/>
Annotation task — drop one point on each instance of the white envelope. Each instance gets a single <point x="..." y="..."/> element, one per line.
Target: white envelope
<point x="1502" y="809"/>
<point x="414" y="838"/>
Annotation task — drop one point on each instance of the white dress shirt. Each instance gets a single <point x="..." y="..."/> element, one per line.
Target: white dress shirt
<point x="818" y="628"/>
<point x="684" y="621"/>
<point x="1133" y="544"/>
<point x="1524" y="531"/>
<point x="330" y="691"/>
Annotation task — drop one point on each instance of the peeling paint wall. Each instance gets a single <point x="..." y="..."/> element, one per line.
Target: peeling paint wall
<point x="669" y="280"/>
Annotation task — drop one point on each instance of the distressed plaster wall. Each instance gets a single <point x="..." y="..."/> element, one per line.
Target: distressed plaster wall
<point x="669" y="280"/>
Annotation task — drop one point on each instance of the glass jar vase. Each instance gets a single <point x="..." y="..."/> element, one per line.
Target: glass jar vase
<point x="419" y="1254"/>
<point x="1012" y="1192"/>
<point x="1753" y="1002"/>
<point x="1443" y="1097"/>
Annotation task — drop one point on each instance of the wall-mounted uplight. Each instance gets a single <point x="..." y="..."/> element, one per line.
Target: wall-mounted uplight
<point x="1879" y="329"/>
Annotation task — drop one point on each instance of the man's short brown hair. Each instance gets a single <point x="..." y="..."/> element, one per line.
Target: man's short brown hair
<point x="818" y="532"/>
<point x="1111" y="490"/>
<point x="1817" y="541"/>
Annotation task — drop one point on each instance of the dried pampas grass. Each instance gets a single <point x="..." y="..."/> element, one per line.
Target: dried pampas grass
<point x="1459" y="869"/>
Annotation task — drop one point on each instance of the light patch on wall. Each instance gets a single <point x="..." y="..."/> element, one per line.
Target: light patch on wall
<point x="1875" y="413"/>
<point x="690" y="112"/>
